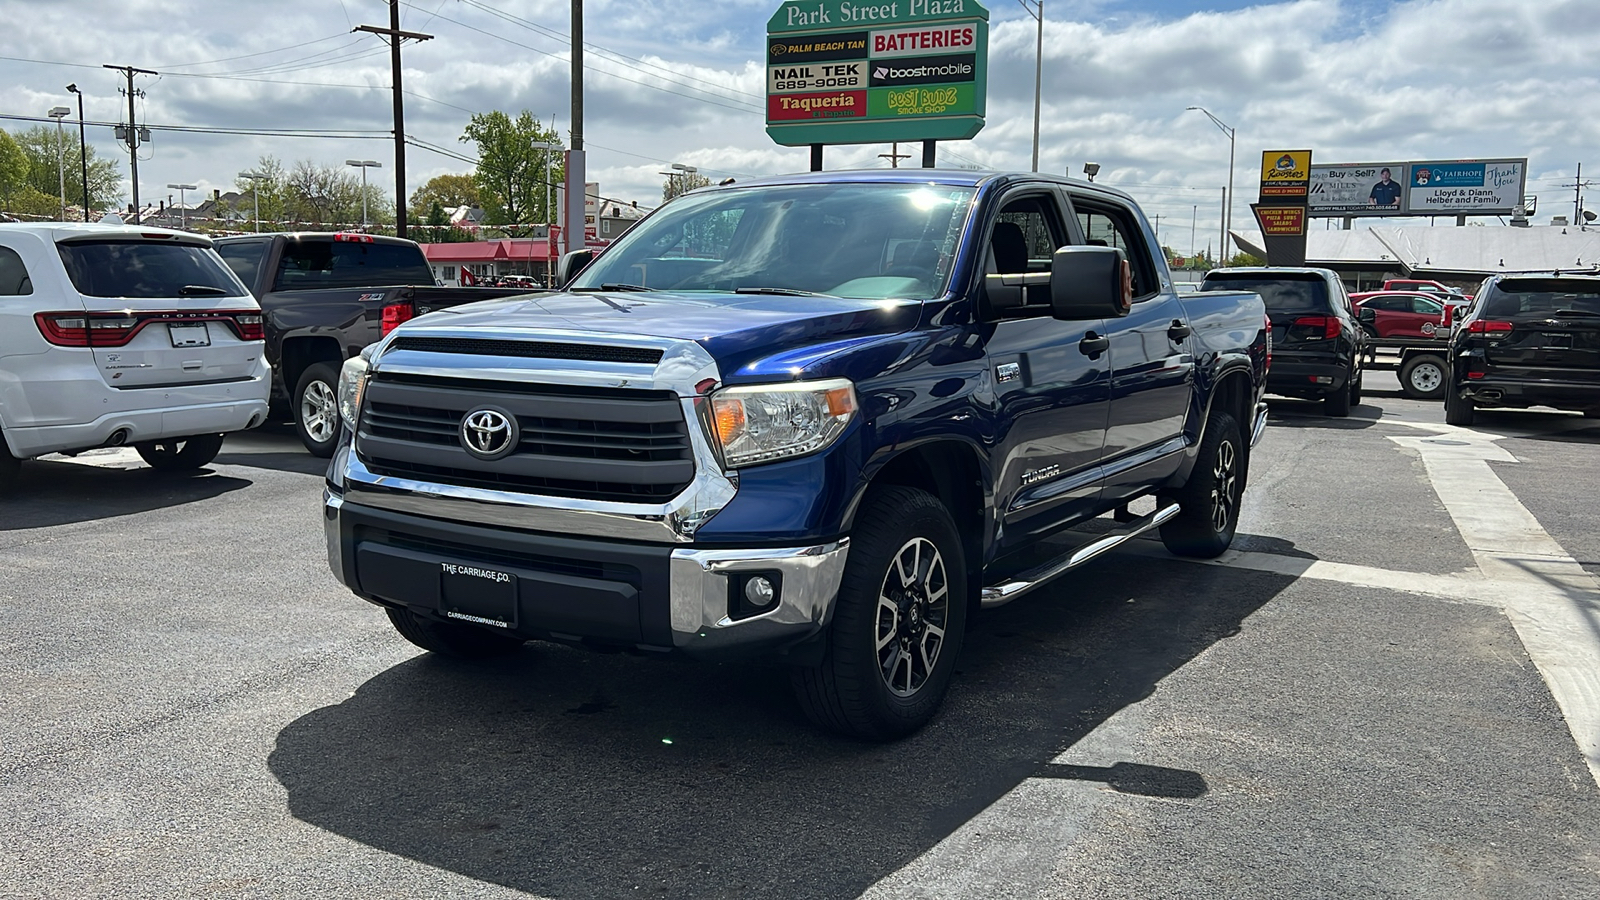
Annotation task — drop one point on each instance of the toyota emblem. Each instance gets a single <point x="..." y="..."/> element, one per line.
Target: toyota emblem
<point x="488" y="433"/>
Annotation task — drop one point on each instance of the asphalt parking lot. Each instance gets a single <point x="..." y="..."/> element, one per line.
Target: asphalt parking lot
<point x="1388" y="689"/>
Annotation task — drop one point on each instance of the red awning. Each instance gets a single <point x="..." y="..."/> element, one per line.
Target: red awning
<point x="509" y="249"/>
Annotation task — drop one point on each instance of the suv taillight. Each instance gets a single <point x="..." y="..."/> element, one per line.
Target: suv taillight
<point x="83" y="330"/>
<point x="1329" y="325"/>
<point x="1485" y="326"/>
<point x="396" y="314"/>
<point x="249" y="326"/>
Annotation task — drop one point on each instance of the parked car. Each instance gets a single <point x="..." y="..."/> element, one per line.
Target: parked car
<point x="325" y="296"/>
<point x="814" y="417"/>
<point x="1402" y="314"/>
<point x="1454" y="296"/>
<point x="113" y="335"/>
<point x="1317" y="344"/>
<point x="1530" y="339"/>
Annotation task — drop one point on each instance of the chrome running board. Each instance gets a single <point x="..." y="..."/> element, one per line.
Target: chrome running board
<point x="1005" y="592"/>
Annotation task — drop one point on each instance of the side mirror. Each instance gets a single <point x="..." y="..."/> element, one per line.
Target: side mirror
<point x="1367" y="316"/>
<point x="571" y="264"/>
<point x="1090" y="283"/>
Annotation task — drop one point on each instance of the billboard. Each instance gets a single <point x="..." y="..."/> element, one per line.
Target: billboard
<point x="1284" y="172"/>
<point x="1418" y="188"/>
<point x="856" y="72"/>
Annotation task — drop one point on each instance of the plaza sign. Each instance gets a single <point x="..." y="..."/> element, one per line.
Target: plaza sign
<point x="848" y="72"/>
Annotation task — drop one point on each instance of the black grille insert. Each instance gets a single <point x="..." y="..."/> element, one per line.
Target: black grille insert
<point x="529" y="349"/>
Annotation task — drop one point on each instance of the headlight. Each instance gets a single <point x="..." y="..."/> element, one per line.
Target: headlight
<point x="352" y="383"/>
<point x="762" y="423"/>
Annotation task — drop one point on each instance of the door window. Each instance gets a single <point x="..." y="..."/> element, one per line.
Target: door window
<point x="1105" y="225"/>
<point x="14" y="280"/>
<point x="244" y="258"/>
<point x="1025" y="236"/>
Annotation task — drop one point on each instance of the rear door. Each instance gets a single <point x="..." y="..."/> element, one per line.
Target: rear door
<point x="1554" y="328"/>
<point x="161" y="310"/>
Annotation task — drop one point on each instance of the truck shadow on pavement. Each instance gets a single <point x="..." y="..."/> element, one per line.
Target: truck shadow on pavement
<point x="572" y="774"/>
<point x="61" y="493"/>
<point x="1287" y="413"/>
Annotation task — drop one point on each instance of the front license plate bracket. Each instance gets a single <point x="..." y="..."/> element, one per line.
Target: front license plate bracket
<point x="474" y="594"/>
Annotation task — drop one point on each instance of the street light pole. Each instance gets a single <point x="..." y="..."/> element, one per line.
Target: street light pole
<point x="61" y="157"/>
<point x="255" y="193"/>
<point x="183" y="205"/>
<point x="1037" y="11"/>
<point x="83" y="150"/>
<point x="364" y="165"/>
<point x="1227" y="197"/>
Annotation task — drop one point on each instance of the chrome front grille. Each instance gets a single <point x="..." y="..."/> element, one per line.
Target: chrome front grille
<point x="578" y="442"/>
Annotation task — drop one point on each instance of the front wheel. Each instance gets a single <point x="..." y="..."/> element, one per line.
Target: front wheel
<point x="898" y="621"/>
<point x="1209" y="500"/>
<point x="1424" y="377"/>
<point x="180" y="454"/>
<point x="316" y="408"/>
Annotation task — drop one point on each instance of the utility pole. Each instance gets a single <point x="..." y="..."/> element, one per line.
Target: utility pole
<point x="577" y="191"/>
<point x="894" y="156"/>
<point x="133" y="134"/>
<point x="395" y="36"/>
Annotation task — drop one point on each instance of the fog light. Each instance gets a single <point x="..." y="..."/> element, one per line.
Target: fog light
<point x="759" y="591"/>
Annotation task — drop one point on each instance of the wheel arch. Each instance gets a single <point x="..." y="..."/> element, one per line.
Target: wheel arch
<point x="300" y="353"/>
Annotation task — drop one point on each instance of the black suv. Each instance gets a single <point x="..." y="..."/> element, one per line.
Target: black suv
<point x="1317" y="342"/>
<point x="1529" y="339"/>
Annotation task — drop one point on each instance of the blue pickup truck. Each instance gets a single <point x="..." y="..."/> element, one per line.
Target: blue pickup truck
<point x="819" y="417"/>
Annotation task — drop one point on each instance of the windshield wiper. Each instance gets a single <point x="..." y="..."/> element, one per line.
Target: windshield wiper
<point x="781" y="292"/>
<point x="615" y="286"/>
<point x="201" y="290"/>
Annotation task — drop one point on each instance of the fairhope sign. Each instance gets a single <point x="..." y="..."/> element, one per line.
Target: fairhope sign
<point x="848" y="72"/>
<point x="1479" y="187"/>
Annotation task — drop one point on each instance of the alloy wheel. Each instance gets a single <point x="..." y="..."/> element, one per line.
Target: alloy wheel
<point x="1224" y="486"/>
<point x="913" y="613"/>
<point x="319" y="411"/>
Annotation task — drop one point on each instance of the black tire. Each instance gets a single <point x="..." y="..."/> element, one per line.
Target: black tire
<point x="1209" y="500"/>
<point x="316" y="408"/>
<point x="1425" y="377"/>
<point x="1355" y="387"/>
<point x="454" y="639"/>
<point x="1459" y="410"/>
<point x="10" y="468"/>
<point x="1337" y="404"/>
<point x="867" y="686"/>
<point x="180" y="454"/>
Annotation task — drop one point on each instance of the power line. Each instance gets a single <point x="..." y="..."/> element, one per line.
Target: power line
<point x="299" y="46"/>
<point x="252" y="132"/>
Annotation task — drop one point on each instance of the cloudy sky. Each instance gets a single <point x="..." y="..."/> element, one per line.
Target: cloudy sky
<point x="682" y="81"/>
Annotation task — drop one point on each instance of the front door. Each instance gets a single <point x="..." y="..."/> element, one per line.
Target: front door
<point x="1052" y="388"/>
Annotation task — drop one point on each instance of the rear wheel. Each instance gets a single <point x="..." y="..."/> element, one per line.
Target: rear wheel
<point x="180" y="454"/>
<point x="1424" y="377"/>
<point x="316" y="408"/>
<point x="1355" y="387"/>
<point x="1459" y="410"/>
<point x="898" y="621"/>
<point x="1337" y="404"/>
<point x="1209" y="500"/>
<point x="452" y="638"/>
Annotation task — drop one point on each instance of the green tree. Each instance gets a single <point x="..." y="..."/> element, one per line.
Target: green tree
<point x="13" y="169"/>
<point x="446" y="191"/>
<point x="1245" y="259"/>
<point x="40" y="145"/>
<point x="436" y="216"/>
<point x="678" y="184"/>
<point x="511" y="170"/>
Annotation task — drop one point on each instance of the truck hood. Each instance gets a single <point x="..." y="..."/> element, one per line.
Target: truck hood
<point x="738" y="330"/>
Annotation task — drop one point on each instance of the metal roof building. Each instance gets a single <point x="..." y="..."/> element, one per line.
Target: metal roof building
<point x="1460" y="256"/>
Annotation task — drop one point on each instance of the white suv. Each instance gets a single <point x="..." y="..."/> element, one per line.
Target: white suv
<point x="114" y="335"/>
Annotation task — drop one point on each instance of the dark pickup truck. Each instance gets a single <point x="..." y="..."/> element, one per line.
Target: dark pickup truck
<point x="822" y="417"/>
<point x="325" y="296"/>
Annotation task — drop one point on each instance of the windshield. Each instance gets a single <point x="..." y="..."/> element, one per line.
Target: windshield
<point x="867" y="241"/>
<point x="1543" y="296"/>
<point x="1281" y="293"/>
<point x="146" y="269"/>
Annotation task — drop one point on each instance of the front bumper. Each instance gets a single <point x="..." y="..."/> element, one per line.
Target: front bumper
<point x="608" y="593"/>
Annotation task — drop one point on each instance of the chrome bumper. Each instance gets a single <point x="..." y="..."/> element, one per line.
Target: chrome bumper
<point x="1260" y="426"/>
<point x="699" y="588"/>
